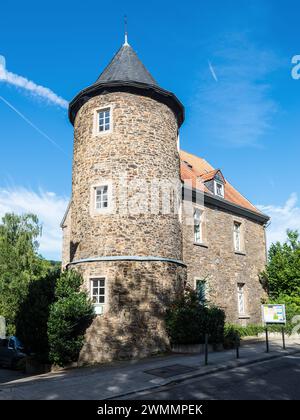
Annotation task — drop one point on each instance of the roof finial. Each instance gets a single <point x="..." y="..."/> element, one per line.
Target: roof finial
<point x="125" y="27"/>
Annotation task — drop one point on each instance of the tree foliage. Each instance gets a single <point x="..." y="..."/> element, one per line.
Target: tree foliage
<point x="70" y="315"/>
<point x="33" y="314"/>
<point x="283" y="269"/>
<point x="20" y="263"/>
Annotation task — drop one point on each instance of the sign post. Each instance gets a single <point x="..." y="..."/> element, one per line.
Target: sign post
<point x="237" y="347"/>
<point x="283" y="338"/>
<point x="274" y="315"/>
<point x="267" y="339"/>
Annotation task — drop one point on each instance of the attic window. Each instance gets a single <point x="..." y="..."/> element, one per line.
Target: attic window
<point x="219" y="188"/>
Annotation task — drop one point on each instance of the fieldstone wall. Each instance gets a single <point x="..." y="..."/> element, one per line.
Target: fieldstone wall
<point x="217" y="263"/>
<point x="133" y="322"/>
<point x="141" y="146"/>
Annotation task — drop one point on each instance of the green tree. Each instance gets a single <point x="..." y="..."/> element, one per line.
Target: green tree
<point x="20" y="263"/>
<point x="282" y="274"/>
<point x="33" y="314"/>
<point x="70" y="315"/>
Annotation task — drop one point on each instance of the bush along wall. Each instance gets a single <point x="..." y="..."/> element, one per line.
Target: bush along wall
<point x="187" y="321"/>
<point x="70" y="316"/>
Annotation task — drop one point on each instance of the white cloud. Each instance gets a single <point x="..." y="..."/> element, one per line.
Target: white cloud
<point x="50" y="209"/>
<point x="29" y="85"/>
<point x="282" y="218"/>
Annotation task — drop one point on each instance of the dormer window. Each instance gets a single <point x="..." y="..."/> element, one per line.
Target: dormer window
<point x="219" y="188"/>
<point x="215" y="182"/>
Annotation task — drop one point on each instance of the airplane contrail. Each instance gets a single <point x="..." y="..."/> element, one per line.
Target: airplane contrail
<point x="212" y="70"/>
<point x="29" y="85"/>
<point x="33" y="125"/>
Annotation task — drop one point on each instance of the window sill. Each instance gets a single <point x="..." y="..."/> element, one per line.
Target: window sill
<point x="102" y="133"/>
<point x="240" y="253"/>
<point x="104" y="212"/>
<point x="244" y="316"/>
<point x="202" y="245"/>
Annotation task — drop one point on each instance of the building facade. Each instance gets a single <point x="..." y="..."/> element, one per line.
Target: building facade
<point x="127" y="229"/>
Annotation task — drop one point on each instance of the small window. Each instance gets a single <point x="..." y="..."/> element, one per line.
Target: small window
<point x="101" y="197"/>
<point x="237" y="236"/>
<point x="98" y="290"/>
<point x="198" y="226"/>
<point x="104" y="120"/>
<point x="219" y="189"/>
<point x="241" y="298"/>
<point x="200" y="286"/>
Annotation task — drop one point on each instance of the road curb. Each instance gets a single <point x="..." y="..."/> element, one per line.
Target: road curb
<point x="219" y="368"/>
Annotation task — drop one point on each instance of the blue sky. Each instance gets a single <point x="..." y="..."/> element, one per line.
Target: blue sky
<point x="229" y="62"/>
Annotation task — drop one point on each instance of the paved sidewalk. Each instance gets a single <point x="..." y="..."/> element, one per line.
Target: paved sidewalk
<point x="123" y="378"/>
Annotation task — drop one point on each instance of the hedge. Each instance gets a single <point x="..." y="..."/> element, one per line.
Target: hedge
<point x="187" y="321"/>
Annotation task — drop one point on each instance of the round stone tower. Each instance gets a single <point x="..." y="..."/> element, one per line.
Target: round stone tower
<point x="124" y="231"/>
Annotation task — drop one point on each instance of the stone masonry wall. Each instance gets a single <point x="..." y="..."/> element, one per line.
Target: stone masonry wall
<point x="222" y="268"/>
<point x="143" y="146"/>
<point x="133" y="322"/>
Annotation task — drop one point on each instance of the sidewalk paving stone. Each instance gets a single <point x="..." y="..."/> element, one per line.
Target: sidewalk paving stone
<point x="124" y="378"/>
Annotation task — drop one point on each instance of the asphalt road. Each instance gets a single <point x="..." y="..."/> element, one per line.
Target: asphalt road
<point x="7" y="375"/>
<point x="277" y="379"/>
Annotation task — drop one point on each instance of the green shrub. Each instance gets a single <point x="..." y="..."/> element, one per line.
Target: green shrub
<point x="69" y="318"/>
<point x="233" y="333"/>
<point x="232" y="336"/>
<point x="187" y="321"/>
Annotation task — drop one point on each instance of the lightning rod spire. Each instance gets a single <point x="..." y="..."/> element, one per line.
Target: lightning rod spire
<point x="125" y="28"/>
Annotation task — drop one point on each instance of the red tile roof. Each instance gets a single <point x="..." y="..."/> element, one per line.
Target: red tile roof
<point x="209" y="175"/>
<point x="197" y="170"/>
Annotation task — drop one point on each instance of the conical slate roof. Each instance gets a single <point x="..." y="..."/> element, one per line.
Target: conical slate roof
<point x="126" y="66"/>
<point x="126" y="73"/>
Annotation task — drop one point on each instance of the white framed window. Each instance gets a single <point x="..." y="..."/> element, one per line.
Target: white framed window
<point x="98" y="290"/>
<point x="200" y="287"/>
<point x="237" y="236"/>
<point x="101" y="197"/>
<point x="198" y="226"/>
<point x="241" y="298"/>
<point x="219" y="189"/>
<point x="104" y="120"/>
